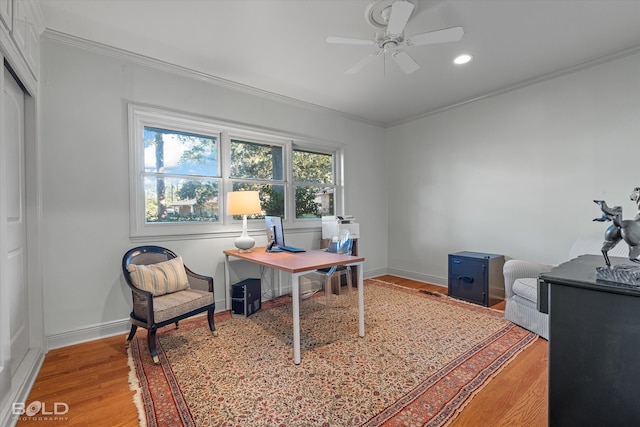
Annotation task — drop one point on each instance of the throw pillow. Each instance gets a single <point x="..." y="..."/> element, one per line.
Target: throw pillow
<point x="161" y="278"/>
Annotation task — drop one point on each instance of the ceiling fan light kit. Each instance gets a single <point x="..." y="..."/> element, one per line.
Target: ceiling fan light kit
<point x="393" y="16"/>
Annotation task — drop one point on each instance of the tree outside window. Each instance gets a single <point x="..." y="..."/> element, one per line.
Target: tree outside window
<point x="259" y="167"/>
<point x="180" y="181"/>
<point x="314" y="178"/>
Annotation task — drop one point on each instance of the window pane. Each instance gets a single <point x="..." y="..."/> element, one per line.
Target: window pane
<point x="271" y="198"/>
<point x="169" y="151"/>
<point x="314" y="202"/>
<point x="257" y="161"/>
<point x="312" y="167"/>
<point x="180" y="200"/>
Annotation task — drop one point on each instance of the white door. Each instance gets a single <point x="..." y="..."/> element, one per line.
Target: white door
<point x="14" y="279"/>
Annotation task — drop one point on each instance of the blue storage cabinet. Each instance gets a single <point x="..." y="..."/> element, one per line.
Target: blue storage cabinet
<point x="476" y="277"/>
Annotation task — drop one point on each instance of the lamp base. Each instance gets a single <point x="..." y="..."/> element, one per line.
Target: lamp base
<point x="244" y="243"/>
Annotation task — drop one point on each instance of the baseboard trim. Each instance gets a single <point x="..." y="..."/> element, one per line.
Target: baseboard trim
<point x="427" y="278"/>
<point x="21" y="384"/>
<point x="90" y="333"/>
<point x="375" y="273"/>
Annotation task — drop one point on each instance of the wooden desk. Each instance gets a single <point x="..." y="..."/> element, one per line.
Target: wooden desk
<point x="298" y="264"/>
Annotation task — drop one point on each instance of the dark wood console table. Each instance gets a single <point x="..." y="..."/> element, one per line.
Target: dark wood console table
<point x="594" y="346"/>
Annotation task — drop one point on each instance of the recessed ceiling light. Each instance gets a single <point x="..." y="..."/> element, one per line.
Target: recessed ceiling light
<point x="462" y="59"/>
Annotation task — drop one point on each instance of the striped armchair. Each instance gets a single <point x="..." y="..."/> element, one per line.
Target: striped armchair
<point x="521" y="285"/>
<point x="164" y="291"/>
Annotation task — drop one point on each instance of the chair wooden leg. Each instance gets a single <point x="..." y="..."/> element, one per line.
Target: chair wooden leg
<point x="212" y="325"/>
<point x="132" y="333"/>
<point x="151" y="343"/>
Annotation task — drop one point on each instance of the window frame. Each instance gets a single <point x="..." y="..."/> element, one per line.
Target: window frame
<point x="262" y="139"/>
<point x="140" y="116"/>
<point x="338" y="157"/>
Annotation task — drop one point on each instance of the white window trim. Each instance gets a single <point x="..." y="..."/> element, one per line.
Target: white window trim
<point x="140" y="116"/>
<point x="252" y="137"/>
<point x="338" y="163"/>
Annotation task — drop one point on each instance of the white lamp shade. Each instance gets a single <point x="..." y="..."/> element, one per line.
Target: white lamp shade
<point x="243" y="203"/>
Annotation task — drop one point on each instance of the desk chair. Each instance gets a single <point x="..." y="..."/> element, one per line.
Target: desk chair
<point x="343" y="245"/>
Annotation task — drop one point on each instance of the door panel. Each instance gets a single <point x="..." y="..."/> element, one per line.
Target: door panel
<point x="14" y="190"/>
<point x="18" y="316"/>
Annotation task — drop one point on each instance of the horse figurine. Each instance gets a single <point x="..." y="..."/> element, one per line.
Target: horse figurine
<point x="627" y="230"/>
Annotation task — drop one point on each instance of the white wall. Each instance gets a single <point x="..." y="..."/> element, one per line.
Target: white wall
<point x="514" y="174"/>
<point x="85" y="176"/>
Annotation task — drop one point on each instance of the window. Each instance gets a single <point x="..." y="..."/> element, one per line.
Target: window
<point x="183" y="166"/>
<point x="259" y="167"/>
<point x="313" y="176"/>
<point x="181" y="176"/>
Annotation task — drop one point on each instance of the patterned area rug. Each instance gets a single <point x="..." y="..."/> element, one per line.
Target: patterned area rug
<point x="422" y="359"/>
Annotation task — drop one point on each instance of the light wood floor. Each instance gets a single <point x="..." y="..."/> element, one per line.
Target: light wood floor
<point x="92" y="378"/>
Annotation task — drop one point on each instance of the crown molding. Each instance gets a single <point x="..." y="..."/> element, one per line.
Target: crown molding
<point x="550" y="76"/>
<point x="197" y="75"/>
<point x="179" y="70"/>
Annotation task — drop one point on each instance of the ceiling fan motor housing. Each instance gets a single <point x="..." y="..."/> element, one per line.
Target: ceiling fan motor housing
<point x="378" y="12"/>
<point x="390" y="43"/>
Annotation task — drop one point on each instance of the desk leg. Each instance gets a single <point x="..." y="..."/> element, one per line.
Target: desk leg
<point x="361" y="300"/>
<point x="273" y="283"/>
<point x="227" y="285"/>
<point x="295" y="287"/>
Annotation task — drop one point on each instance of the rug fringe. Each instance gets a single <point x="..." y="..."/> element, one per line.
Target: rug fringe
<point x="134" y="385"/>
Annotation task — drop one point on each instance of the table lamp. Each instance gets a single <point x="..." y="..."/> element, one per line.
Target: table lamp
<point x="244" y="203"/>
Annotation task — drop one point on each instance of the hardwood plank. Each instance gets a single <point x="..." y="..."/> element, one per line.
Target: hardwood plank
<point x="92" y="378"/>
<point x="517" y="396"/>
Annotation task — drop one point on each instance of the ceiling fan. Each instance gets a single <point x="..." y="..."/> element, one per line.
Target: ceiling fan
<point x="393" y="15"/>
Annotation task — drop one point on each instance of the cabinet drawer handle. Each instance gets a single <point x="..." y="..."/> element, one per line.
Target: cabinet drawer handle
<point x="466" y="279"/>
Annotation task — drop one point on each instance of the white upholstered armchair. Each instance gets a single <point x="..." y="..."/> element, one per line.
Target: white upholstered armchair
<point x="521" y="285"/>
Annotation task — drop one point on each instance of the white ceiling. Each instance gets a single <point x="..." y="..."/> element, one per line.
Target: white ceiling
<point x="279" y="46"/>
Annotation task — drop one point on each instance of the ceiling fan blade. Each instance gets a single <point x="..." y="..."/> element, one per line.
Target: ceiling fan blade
<point x="400" y="13"/>
<point x="404" y="61"/>
<point x="363" y="63"/>
<point x="439" y="36"/>
<point x="349" y="40"/>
